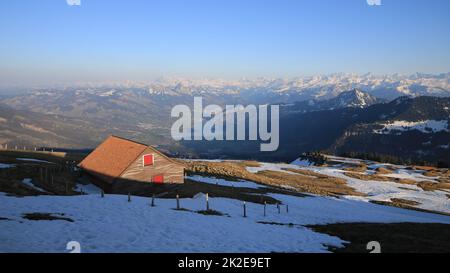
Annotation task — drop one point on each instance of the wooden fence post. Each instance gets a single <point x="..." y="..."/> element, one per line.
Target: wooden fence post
<point x="153" y="200"/>
<point x="245" y="210"/>
<point x="265" y="203"/>
<point x="129" y="197"/>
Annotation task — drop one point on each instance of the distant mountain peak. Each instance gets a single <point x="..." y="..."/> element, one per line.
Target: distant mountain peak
<point x="354" y="98"/>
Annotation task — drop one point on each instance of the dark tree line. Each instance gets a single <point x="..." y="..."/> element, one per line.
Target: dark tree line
<point x="393" y="159"/>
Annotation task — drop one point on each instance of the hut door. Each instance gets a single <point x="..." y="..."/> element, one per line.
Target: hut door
<point x="158" y="179"/>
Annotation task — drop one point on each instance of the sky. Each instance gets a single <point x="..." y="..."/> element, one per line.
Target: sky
<point x="49" y="41"/>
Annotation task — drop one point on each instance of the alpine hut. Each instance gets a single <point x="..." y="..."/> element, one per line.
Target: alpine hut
<point x="119" y="160"/>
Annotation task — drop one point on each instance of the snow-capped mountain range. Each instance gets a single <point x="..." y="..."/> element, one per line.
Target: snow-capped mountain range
<point x="318" y="112"/>
<point x="354" y="98"/>
<point x="273" y="90"/>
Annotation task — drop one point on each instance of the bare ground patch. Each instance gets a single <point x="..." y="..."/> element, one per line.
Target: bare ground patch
<point x="406" y="206"/>
<point x="46" y="217"/>
<point x="404" y="201"/>
<point x="394" y="238"/>
<point x="432" y="186"/>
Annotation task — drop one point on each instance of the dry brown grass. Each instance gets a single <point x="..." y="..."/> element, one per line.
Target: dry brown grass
<point x="382" y="170"/>
<point x="308" y="173"/>
<point x="424" y="168"/>
<point x="404" y="202"/>
<point x="304" y="181"/>
<point x="367" y="177"/>
<point x="320" y="184"/>
<point x="431" y="174"/>
<point x="432" y="186"/>
<point x="405" y="181"/>
<point x="249" y="163"/>
<point x="443" y="180"/>
<point x="427" y="185"/>
<point x="231" y="170"/>
<point x="359" y="168"/>
<point x="444" y="186"/>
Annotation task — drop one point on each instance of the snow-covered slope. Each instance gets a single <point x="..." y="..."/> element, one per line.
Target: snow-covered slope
<point x="424" y="126"/>
<point x="112" y="224"/>
<point x="436" y="200"/>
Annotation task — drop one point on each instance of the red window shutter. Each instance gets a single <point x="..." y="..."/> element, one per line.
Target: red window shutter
<point x="148" y="160"/>
<point x="159" y="179"/>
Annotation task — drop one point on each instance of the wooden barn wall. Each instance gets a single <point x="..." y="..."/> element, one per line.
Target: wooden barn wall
<point x="173" y="173"/>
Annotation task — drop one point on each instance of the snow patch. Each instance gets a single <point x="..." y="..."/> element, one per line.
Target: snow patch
<point x="302" y="162"/>
<point x="6" y="166"/>
<point x="223" y="182"/>
<point x="424" y="126"/>
<point x="29" y="183"/>
<point x="88" y="189"/>
<point x="34" y="160"/>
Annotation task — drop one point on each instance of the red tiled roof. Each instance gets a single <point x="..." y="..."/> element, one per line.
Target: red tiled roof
<point x="112" y="157"/>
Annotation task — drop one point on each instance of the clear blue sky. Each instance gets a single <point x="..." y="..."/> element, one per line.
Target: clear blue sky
<point x="49" y="41"/>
